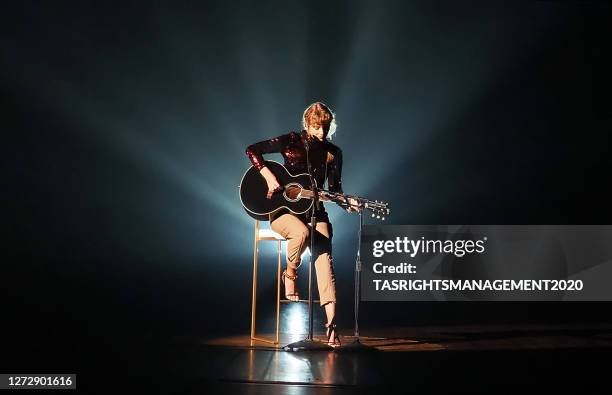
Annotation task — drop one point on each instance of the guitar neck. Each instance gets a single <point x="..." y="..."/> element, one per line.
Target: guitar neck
<point x="379" y="209"/>
<point x="323" y="194"/>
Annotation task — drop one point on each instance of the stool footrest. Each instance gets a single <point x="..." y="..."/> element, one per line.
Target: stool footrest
<point x="300" y="300"/>
<point x="261" y="339"/>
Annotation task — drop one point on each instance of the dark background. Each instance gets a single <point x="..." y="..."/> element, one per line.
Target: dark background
<point x="125" y="125"/>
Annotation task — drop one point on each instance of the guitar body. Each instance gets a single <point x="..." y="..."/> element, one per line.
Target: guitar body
<point x="253" y="191"/>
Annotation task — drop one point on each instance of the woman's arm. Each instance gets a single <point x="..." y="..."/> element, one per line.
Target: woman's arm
<point x="255" y="153"/>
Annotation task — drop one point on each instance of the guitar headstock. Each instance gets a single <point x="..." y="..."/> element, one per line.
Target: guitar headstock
<point x="379" y="210"/>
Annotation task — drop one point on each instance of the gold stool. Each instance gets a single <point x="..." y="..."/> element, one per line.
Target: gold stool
<point x="268" y="235"/>
<point x="262" y="235"/>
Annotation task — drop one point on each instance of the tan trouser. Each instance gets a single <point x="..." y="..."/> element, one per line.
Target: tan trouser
<point x="296" y="232"/>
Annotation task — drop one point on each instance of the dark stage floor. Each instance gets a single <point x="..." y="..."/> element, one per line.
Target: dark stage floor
<point x="493" y="359"/>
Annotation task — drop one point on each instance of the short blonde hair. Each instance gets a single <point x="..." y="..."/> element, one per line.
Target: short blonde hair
<point x="319" y="113"/>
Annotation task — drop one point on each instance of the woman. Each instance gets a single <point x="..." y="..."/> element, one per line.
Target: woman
<point x="319" y="125"/>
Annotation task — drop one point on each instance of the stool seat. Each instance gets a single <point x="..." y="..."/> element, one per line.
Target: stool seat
<point x="269" y="234"/>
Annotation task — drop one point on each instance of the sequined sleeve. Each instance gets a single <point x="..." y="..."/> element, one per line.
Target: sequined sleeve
<point x="255" y="151"/>
<point x="334" y="175"/>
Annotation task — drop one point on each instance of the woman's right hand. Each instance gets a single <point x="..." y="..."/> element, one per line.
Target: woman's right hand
<point x="273" y="186"/>
<point x="272" y="182"/>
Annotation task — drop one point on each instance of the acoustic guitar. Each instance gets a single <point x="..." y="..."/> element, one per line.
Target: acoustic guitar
<point x="295" y="194"/>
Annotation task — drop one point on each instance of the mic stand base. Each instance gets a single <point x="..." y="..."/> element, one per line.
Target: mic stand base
<point x="356" y="346"/>
<point x="308" y="345"/>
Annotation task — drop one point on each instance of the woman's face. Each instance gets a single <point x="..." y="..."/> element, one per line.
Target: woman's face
<point x="317" y="130"/>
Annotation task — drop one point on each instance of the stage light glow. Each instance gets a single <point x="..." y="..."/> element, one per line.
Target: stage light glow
<point x="297" y="319"/>
<point x="186" y="116"/>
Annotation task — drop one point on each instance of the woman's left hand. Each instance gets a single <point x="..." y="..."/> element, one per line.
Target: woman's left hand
<point x="354" y="206"/>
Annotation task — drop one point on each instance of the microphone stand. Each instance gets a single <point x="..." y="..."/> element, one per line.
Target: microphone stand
<point x="357" y="345"/>
<point x="309" y="344"/>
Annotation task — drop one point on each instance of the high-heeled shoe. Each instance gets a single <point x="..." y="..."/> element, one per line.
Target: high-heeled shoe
<point x="295" y="293"/>
<point x="332" y="332"/>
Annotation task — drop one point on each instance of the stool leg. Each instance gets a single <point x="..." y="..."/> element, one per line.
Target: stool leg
<point x="278" y="287"/>
<point x="254" y="295"/>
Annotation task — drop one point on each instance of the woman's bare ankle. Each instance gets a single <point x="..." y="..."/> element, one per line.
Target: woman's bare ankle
<point x="290" y="275"/>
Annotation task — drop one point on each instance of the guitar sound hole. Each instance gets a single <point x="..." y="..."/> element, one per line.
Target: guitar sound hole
<point x="292" y="191"/>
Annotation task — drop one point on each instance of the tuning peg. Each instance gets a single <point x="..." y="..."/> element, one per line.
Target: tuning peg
<point x="372" y="215"/>
<point x="383" y="218"/>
